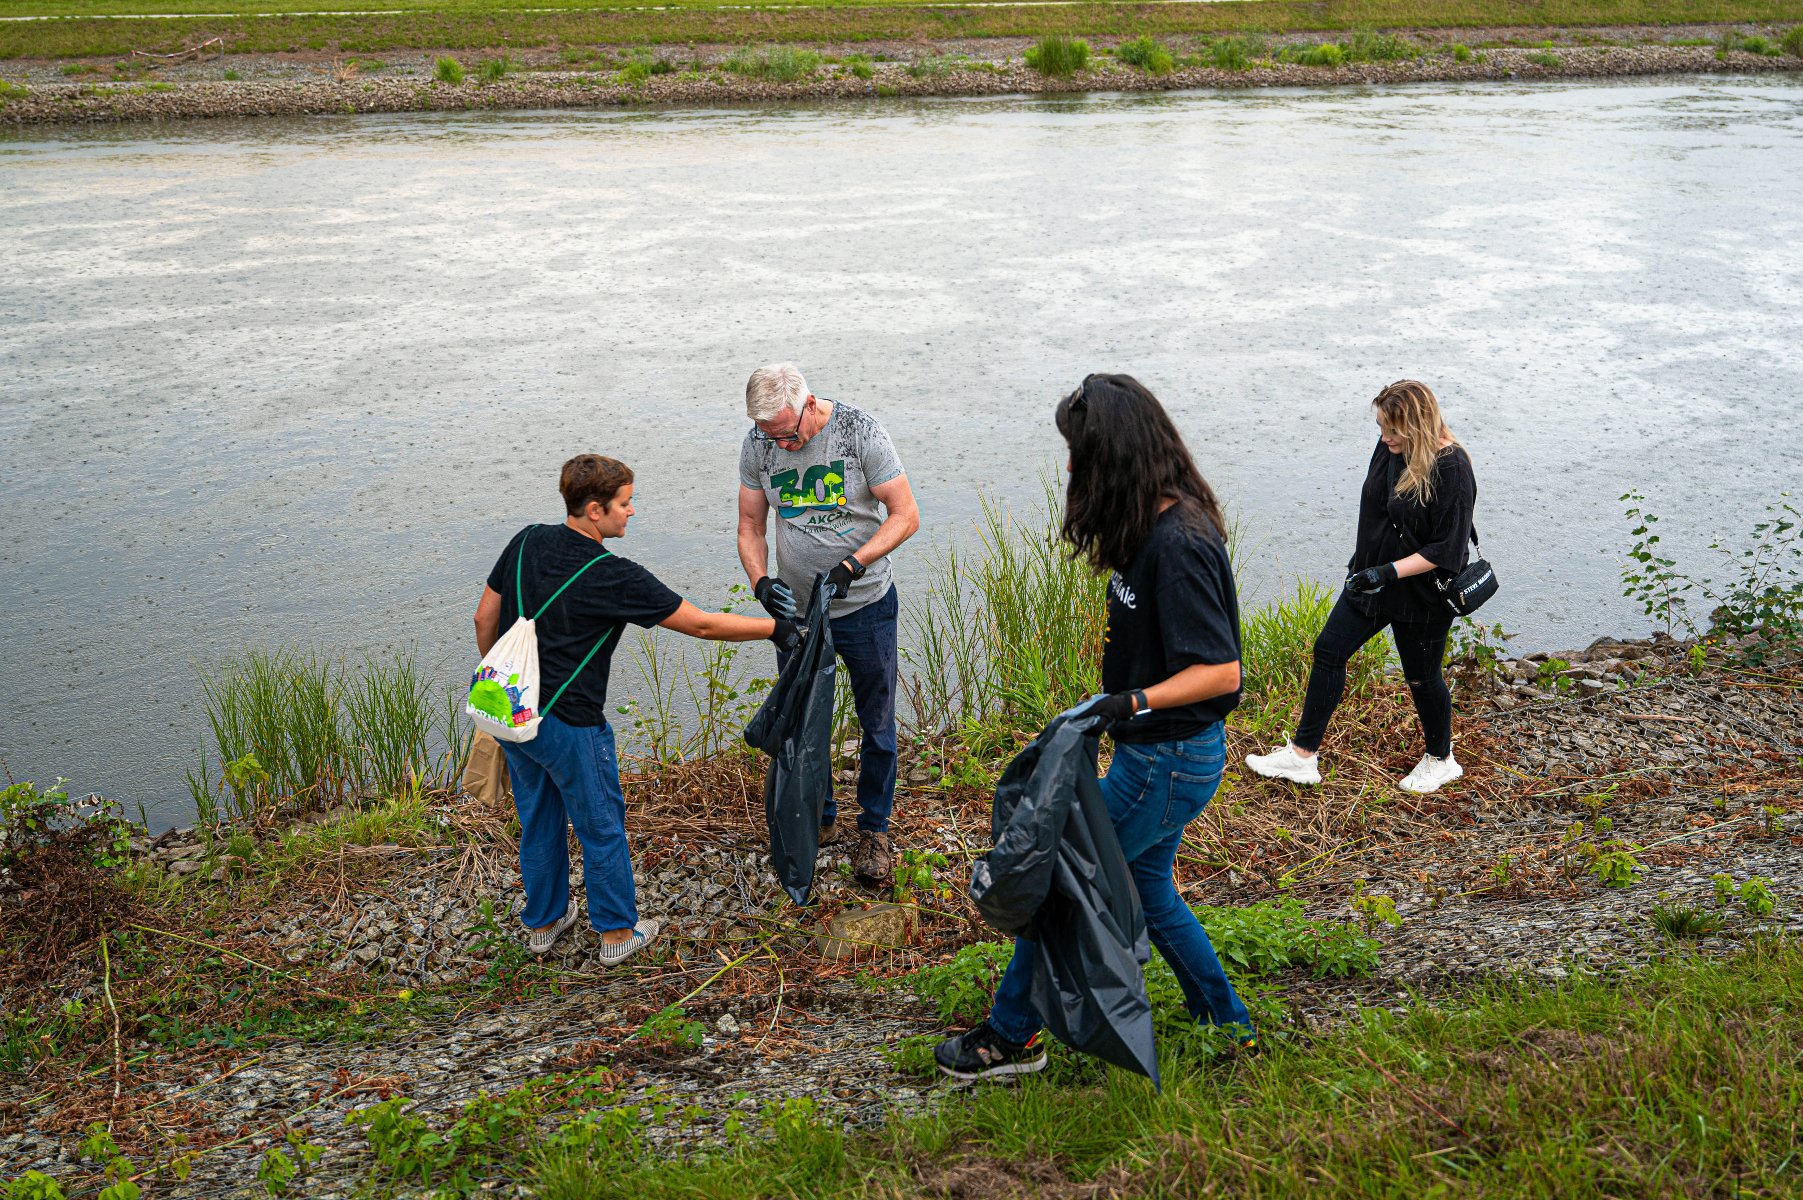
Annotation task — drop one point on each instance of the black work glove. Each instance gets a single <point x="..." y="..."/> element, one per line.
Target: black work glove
<point x="787" y="636"/>
<point x="776" y="597"/>
<point x="1116" y="707"/>
<point x="1371" y="580"/>
<point x="840" y="577"/>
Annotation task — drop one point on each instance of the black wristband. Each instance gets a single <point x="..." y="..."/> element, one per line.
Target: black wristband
<point x="857" y="568"/>
<point x="1140" y="703"/>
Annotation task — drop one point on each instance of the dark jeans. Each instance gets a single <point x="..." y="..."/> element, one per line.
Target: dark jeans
<point x="1153" y="791"/>
<point x="569" y="778"/>
<point x="866" y="643"/>
<point x="1421" y="645"/>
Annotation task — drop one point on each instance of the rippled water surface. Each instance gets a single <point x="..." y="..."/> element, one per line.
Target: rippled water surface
<point x="299" y="380"/>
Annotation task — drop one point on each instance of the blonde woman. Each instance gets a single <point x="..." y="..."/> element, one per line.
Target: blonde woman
<point x="1414" y="525"/>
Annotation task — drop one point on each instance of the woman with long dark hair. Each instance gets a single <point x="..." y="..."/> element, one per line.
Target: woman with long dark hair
<point x="1414" y="525"/>
<point x="1138" y="508"/>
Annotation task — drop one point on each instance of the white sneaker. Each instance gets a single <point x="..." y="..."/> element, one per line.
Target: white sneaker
<point x="540" y="941"/>
<point x="643" y="934"/>
<point x="1285" y="763"/>
<point x="1431" y="774"/>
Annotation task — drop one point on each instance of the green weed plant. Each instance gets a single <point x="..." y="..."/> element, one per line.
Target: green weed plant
<point x="776" y="63"/>
<point x="1058" y="56"/>
<point x="1148" y="54"/>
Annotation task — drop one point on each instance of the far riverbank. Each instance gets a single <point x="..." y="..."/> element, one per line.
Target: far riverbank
<point x="52" y="92"/>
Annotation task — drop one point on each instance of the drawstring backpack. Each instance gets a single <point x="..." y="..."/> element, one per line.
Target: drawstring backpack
<point x="504" y="687"/>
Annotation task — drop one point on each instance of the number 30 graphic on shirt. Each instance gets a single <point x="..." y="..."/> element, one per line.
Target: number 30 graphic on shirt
<point x="822" y="487"/>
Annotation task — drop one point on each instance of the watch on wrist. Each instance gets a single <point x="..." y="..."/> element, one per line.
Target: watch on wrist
<point x="857" y="568"/>
<point x="1140" y="703"/>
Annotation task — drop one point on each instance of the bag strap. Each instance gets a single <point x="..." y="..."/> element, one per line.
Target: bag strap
<point x="519" y="593"/>
<point x="578" y="670"/>
<point x="1409" y="539"/>
<point x="572" y="579"/>
<point x="520" y="603"/>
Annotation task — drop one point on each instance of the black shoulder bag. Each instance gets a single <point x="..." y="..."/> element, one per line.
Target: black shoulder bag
<point x="1465" y="592"/>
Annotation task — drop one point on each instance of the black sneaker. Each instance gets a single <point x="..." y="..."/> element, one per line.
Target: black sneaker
<point x="985" y="1054"/>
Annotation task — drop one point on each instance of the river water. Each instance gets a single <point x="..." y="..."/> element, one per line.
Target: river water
<point x="298" y="381"/>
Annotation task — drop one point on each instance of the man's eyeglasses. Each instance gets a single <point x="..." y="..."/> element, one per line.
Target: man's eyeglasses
<point x="794" y="435"/>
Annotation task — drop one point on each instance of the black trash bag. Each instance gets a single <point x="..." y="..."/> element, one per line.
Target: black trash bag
<point x="795" y="728"/>
<point x="1056" y="875"/>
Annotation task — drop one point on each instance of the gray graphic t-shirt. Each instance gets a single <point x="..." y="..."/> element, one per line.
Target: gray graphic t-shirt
<point x="821" y="496"/>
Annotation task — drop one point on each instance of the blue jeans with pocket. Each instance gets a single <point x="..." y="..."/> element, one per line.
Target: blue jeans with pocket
<point x="1153" y="791"/>
<point x="569" y="777"/>
<point x="865" y="642"/>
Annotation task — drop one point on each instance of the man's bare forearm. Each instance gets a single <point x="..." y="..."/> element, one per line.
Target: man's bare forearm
<point x="754" y="553"/>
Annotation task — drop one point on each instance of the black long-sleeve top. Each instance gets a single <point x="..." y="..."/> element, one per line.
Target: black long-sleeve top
<point x="1440" y="531"/>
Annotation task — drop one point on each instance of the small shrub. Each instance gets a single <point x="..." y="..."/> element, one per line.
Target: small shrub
<point x="1367" y="45"/>
<point x="779" y="64"/>
<point x="232" y="76"/>
<point x="1327" y="54"/>
<point x="671" y="1030"/>
<point x="1230" y="54"/>
<point x="1756" y="44"/>
<point x="1149" y="55"/>
<point x="1792" y="42"/>
<point x="1058" y="56"/>
<point x="448" y="70"/>
<point x="913" y="1055"/>
<point x="33" y="1185"/>
<point x="916" y="874"/>
<point x="1755" y="894"/>
<point x="1613" y="863"/>
<point x="1461" y="52"/>
<point x="960" y="989"/>
<point x="935" y="66"/>
<point x="1374" y="909"/>
<point x="9" y="90"/>
<point x="858" y="65"/>
<point x="494" y="70"/>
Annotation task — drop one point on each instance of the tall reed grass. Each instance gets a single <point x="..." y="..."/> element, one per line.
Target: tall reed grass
<point x="1006" y="636"/>
<point x="1058" y="56"/>
<point x="295" y="726"/>
<point x="1010" y="634"/>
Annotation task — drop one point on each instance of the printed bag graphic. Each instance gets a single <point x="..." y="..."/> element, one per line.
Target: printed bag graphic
<point x="504" y="687"/>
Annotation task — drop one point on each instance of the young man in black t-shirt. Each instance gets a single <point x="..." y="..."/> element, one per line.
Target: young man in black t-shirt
<point x="569" y="775"/>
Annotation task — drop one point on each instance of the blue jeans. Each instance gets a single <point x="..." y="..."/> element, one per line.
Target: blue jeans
<point x="569" y="776"/>
<point x="1153" y="791"/>
<point x="865" y="641"/>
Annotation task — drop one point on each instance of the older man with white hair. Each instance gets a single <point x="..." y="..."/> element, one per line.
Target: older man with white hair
<point x="842" y="504"/>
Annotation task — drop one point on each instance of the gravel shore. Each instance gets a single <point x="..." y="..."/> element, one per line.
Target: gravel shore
<point x="1693" y="762"/>
<point x="298" y="87"/>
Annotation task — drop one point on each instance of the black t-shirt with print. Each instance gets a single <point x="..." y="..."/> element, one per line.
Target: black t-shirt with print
<point x="1439" y="530"/>
<point x="1173" y="608"/>
<point x="609" y="594"/>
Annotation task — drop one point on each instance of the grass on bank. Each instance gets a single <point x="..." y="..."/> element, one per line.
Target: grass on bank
<point x="1683" y="1079"/>
<point x="1009" y="634"/>
<point x="498" y="24"/>
<point x="1058" y="56"/>
<point x="296" y="729"/>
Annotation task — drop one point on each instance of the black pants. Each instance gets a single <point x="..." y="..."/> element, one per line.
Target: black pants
<point x="1420" y="644"/>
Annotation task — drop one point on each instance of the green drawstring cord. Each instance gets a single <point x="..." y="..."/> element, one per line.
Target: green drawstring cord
<point x="519" y="596"/>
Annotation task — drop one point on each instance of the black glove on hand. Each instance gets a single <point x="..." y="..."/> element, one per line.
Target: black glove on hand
<point x="787" y="636"/>
<point x="776" y="598"/>
<point x="1116" y="707"/>
<point x="840" y="577"/>
<point x="1371" y="580"/>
